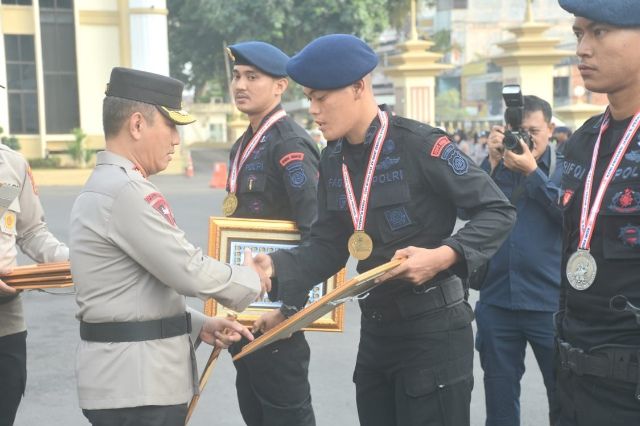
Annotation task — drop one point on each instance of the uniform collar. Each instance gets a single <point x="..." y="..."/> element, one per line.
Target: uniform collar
<point x="111" y="158"/>
<point x="249" y="131"/>
<point x="546" y="157"/>
<point x="371" y="131"/>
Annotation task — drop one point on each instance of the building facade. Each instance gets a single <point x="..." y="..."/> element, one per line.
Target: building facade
<point x="56" y="56"/>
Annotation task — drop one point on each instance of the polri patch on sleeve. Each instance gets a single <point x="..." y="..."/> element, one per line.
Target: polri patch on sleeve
<point x="291" y="157"/>
<point x="157" y="201"/>
<point x="455" y="160"/>
<point x="297" y="176"/>
<point x="439" y="146"/>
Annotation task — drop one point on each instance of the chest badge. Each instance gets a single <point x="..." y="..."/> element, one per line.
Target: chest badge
<point x="626" y="201"/>
<point x="9" y="221"/>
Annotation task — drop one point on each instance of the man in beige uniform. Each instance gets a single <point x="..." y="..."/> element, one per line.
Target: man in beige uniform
<point x="132" y="267"/>
<point x="22" y="224"/>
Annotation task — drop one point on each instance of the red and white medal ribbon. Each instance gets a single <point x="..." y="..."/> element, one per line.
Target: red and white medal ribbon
<point x="588" y="217"/>
<point x="240" y="159"/>
<point x="359" y="213"/>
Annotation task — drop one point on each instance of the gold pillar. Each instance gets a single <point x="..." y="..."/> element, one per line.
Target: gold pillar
<point x="575" y="115"/>
<point x="529" y="57"/>
<point x="413" y="73"/>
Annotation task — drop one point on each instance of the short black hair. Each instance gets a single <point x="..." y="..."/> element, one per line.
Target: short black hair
<point x="533" y="103"/>
<point x="116" y="110"/>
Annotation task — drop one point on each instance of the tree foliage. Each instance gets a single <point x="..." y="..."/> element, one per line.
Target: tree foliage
<point x="198" y="29"/>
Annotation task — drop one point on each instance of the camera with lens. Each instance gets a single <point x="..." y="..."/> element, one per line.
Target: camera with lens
<point x="513" y="116"/>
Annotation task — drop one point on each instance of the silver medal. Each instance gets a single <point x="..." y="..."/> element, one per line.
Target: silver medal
<point x="581" y="269"/>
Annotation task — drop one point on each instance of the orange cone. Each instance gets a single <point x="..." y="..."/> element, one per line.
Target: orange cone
<point x="188" y="172"/>
<point x="219" y="175"/>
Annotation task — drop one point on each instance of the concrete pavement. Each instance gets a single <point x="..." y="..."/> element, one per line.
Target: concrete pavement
<point x="53" y="335"/>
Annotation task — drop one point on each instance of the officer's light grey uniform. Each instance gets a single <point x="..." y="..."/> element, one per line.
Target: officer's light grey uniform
<point x="131" y="263"/>
<point x="22" y="224"/>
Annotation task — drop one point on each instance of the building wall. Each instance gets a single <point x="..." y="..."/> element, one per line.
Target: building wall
<point x="108" y="33"/>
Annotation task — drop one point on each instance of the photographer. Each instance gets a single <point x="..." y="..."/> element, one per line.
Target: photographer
<point x="520" y="292"/>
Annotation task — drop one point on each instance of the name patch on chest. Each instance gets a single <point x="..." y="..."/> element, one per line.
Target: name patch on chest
<point x="388" y="177"/>
<point x="577" y="171"/>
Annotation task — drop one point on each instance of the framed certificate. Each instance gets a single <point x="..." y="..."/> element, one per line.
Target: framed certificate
<point x="229" y="237"/>
<point x="352" y="289"/>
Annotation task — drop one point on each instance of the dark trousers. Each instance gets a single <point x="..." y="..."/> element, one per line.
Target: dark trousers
<point x="501" y="341"/>
<point x="149" y="415"/>
<point x="13" y="375"/>
<point x="593" y="401"/>
<point x="416" y="372"/>
<point x="273" y="384"/>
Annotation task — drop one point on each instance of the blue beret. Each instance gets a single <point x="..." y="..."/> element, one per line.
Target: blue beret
<point x="619" y="13"/>
<point x="332" y="62"/>
<point x="264" y="56"/>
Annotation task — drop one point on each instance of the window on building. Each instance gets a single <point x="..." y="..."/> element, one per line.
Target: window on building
<point x="59" y="66"/>
<point x="216" y="132"/>
<point x="561" y="95"/>
<point x="18" y="2"/>
<point x="460" y="4"/>
<point x="21" y="84"/>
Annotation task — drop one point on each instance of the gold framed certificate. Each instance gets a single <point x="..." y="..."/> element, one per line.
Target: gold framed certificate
<point x="229" y="237"/>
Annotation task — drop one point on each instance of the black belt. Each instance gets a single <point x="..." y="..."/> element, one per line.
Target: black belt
<point x="136" y="331"/>
<point x="611" y="362"/>
<point x="420" y="300"/>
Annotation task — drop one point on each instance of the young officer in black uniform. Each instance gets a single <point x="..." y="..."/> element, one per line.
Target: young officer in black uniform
<point x="416" y="346"/>
<point x="273" y="175"/>
<point x="599" y="344"/>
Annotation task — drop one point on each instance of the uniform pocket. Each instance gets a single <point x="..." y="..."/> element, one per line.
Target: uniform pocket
<point x="390" y="212"/>
<point x="620" y="221"/>
<point x="437" y="394"/>
<point x="253" y="183"/>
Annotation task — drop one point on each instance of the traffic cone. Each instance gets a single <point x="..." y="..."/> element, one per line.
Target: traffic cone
<point x="219" y="175"/>
<point x="188" y="172"/>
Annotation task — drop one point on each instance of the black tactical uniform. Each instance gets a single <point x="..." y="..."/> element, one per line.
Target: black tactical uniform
<point x="599" y="378"/>
<point x="278" y="181"/>
<point x="416" y="347"/>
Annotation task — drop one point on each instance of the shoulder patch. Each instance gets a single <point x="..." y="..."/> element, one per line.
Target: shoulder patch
<point x="291" y="157"/>
<point x="436" y="151"/>
<point x="297" y="176"/>
<point x="157" y="201"/>
<point x="33" y="181"/>
<point x="455" y="160"/>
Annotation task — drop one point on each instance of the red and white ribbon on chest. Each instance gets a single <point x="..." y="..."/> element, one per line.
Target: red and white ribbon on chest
<point x="240" y="159"/>
<point x="359" y="213"/>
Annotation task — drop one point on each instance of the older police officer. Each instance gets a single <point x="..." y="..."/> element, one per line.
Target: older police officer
<point x="390" y="186"/>
<point x="273" y="175"/>
<point x="21" y="224"/>
<point x="599" y="336"/>
<point x="132" y="267"/>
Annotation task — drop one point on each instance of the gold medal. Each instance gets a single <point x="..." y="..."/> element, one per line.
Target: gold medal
<point x="360" y="245"/>
<point x="230" y="204"/>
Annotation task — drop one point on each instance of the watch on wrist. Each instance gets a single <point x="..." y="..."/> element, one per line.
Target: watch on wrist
<point x="288" y="311"/>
